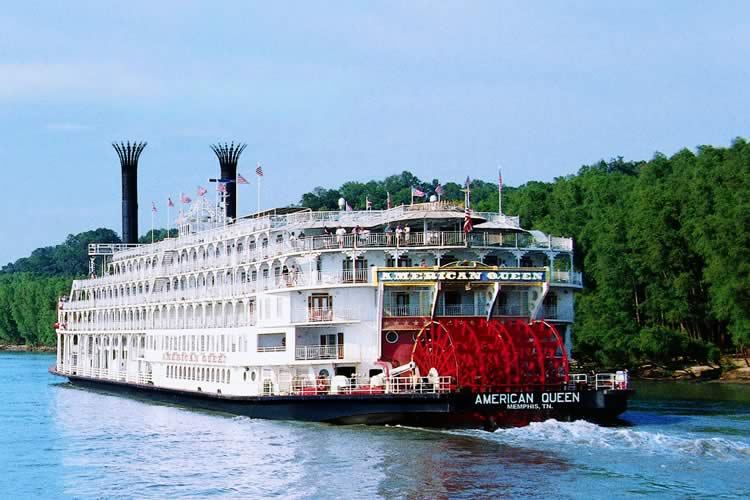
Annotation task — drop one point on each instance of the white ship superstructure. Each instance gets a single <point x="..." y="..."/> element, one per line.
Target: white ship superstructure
<point x="276" y="302"/>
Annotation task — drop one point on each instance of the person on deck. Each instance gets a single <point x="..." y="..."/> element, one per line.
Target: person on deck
<point x="340" y="233"/>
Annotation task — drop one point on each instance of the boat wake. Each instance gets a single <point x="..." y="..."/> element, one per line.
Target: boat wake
<point x="549" y="435"/>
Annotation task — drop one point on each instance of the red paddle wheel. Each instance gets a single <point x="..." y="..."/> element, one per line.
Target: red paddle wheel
<point x="492" y="356"/>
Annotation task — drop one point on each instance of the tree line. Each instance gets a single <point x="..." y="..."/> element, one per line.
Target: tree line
<point x="664" y="246"/>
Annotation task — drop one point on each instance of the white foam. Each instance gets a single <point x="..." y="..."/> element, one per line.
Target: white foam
<point x="551" y="433"/>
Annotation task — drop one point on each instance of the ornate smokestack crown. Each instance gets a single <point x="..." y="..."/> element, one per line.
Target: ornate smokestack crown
<point x="228" y="154"/>
<point x="129" y="154"/>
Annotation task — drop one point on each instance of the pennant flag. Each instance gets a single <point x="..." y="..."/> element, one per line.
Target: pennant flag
<point x="185" y="198"/>
<point x="417" y="192"/>
<point x="241" y="180"/>
<point x="153" y="207"/>
<point x="221" y="187"/>
<point x="170" y="203"/>
<point x="202" y="190"/>
<point x="439" y="190"/>
<point x="259" y="170"/>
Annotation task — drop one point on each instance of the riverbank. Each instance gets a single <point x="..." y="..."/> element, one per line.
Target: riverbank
<point x="26" y="348"/>
<point x="733" y="369"/>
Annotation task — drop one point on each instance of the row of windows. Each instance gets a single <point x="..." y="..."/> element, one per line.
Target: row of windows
<point x="195" y="253"/>
<point x="199" y="374"/>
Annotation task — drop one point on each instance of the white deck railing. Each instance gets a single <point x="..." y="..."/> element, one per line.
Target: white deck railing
<point x="364" y="386"/>
<point x="311" y="352"/>
<point x="259" y="252"/>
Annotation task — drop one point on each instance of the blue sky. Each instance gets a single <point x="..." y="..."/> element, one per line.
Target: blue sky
<point x="324" y="92"/>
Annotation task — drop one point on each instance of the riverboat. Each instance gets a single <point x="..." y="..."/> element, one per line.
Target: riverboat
<point x="423" y="314"/>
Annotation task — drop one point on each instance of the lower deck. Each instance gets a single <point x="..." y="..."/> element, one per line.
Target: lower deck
<point x="427" y="408"/>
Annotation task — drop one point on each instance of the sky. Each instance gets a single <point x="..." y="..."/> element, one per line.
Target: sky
<point x="324" y="92"/>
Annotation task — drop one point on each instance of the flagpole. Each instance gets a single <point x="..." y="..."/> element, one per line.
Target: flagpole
<point x="259" y="179"/>
<point x="152" y="223"/>
<point x="499" y="191"/>
<point x="169" y="221"/>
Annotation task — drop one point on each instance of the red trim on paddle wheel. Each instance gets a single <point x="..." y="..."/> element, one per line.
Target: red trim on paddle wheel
<point x="555" y="357"/>
<point x="492" y="356"/>
<point x="434" y="348"/>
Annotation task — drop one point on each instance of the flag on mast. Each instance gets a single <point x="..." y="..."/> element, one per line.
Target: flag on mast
<point x="349" y="207"/>
<point x="439" y="190"/>
<point x="153" y="207"/>
<point x="170" y="203"/>
<point x="467" y="220"/>
<point x="417" y="192"/>
<point x="202" y="190"/>
<point x="388" y="200"/>
<point x="241" y="180"/>
<point x="467" y="207"/>
<point x="221" y="187"/>
<point x="259" y="170"/>
<point x="185" y="198"/>
<point x="368" y="203"/>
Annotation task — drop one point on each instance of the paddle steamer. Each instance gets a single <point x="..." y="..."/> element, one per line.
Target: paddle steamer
<point x="351" y="316"/>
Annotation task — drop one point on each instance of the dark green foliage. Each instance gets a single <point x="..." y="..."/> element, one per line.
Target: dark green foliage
<point x="159" y="234"/>
<point x="28" y="307"/>
<point x="67" y="259"/>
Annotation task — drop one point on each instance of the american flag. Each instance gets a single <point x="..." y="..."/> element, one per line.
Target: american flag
<point x="242" y="180"/>
<point x="349" y="207"/>
<point x="221" y="187"/>
<point x="368" y="203"/>
<point x="170" y="203"/>
<point x="185" y="198"/>
<point x="417" y="192"/>
<point x="499" y="179"/>
<point x="259" y="170"/>
<point x="202" y="190"/>
<point x="467" y="219"/>
<point x="468" y="182"/>
<point x="388" y="200"/>
<point x="439" y="190"/>
<point x="153" y="207"/>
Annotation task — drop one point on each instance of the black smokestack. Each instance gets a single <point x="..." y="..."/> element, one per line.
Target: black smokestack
<point x="228" y="155"/>
<point x="129" y="154"/>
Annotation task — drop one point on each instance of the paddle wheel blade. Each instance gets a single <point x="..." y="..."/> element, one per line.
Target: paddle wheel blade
<point x="492" y="356"/>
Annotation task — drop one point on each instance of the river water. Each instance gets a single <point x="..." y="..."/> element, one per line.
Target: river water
<point x="681" y="440"/>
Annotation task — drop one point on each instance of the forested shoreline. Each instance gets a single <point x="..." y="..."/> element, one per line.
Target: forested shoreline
<point x="664" y="246"/>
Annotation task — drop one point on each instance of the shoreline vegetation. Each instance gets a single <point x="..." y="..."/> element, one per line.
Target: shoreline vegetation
<point x="664" y="247"/>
